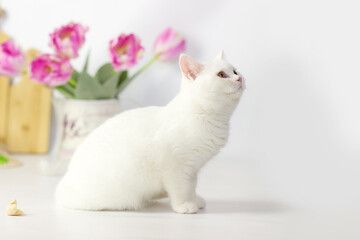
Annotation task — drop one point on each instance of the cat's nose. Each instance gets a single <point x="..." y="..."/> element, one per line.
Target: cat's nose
<point x="240" y="79"/>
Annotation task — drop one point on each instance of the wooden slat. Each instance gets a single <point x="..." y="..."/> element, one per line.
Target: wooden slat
<point x="4" y="101"/>
<point x="29" y="117"/>
<point x="4" y="95"/>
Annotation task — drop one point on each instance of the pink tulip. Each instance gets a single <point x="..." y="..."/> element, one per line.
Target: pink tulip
<point x="68" y="39"/>
<point x="125" y="51"/>
<point x="168" y="45"/>
<point x="51" y="70"/>
<point x="12" y="60"/>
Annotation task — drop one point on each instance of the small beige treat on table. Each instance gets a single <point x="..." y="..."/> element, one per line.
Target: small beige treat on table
<point x="12" y="209"/>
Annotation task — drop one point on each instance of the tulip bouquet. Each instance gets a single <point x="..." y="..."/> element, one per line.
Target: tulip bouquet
<point x="55" y="70"/>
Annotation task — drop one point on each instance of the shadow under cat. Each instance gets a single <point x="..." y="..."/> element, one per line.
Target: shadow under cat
<point x="225" y="207"/>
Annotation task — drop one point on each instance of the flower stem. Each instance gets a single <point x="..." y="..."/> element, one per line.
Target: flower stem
<point x="72" y="82"/>
<point x="64" y="91"/>
<point x="127" y="81"/>
<point x="145" y="67"/>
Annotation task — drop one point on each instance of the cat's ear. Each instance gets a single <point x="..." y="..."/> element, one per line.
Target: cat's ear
<point x="220" y="55"/>
<point x="190" y="67"/>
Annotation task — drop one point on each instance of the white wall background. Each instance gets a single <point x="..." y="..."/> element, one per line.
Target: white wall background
<point x="299" y="118"/>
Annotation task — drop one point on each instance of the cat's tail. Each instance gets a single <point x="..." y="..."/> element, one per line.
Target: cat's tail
<point x="76" y="193"/>
<point x="71" y="195"/>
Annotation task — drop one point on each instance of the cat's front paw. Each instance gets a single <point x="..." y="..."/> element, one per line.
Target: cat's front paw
<point x="200" y="202"/>
<point x="186" y="207"/>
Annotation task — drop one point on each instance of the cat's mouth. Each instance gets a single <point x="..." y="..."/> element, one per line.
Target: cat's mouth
<point x="240" y="81"/>
<point x="240" y="86"/>
<point x="236" y="87"/>
<point x="237" y="90"/>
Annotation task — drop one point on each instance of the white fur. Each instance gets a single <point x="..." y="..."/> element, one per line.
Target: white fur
<point x="153" y="152"/>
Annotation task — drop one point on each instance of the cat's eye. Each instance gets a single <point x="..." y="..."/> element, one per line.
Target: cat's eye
<point x="235" y="72"/>
<point x="222" y="74"/>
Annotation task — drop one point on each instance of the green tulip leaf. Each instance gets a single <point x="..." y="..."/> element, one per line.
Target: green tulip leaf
<point x="86" y="62"/>
<point x="123" y="82"/>
<point x="75" y="75"/>
<point x="104" y="73"/>
<point x="123" y="76"/>
<point x="70" y="88"/>
<point x="89" y="88"/>
<point x="110" y="85"/>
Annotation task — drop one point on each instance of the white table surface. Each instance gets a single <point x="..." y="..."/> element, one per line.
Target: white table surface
<point x="239" y="206"/>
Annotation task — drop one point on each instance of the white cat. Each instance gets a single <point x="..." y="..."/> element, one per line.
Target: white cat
<point x="153" y="152"/>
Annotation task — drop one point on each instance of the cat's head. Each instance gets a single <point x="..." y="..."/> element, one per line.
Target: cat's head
<point x="217" y="81"/>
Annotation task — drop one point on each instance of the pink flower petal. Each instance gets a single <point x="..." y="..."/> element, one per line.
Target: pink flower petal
<point x="125" y="51"/>
<point x="67" y="40"/>
<point x="51" y="70"/>
<point x="12" y="60"/>
<point x="168" y="45"/>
